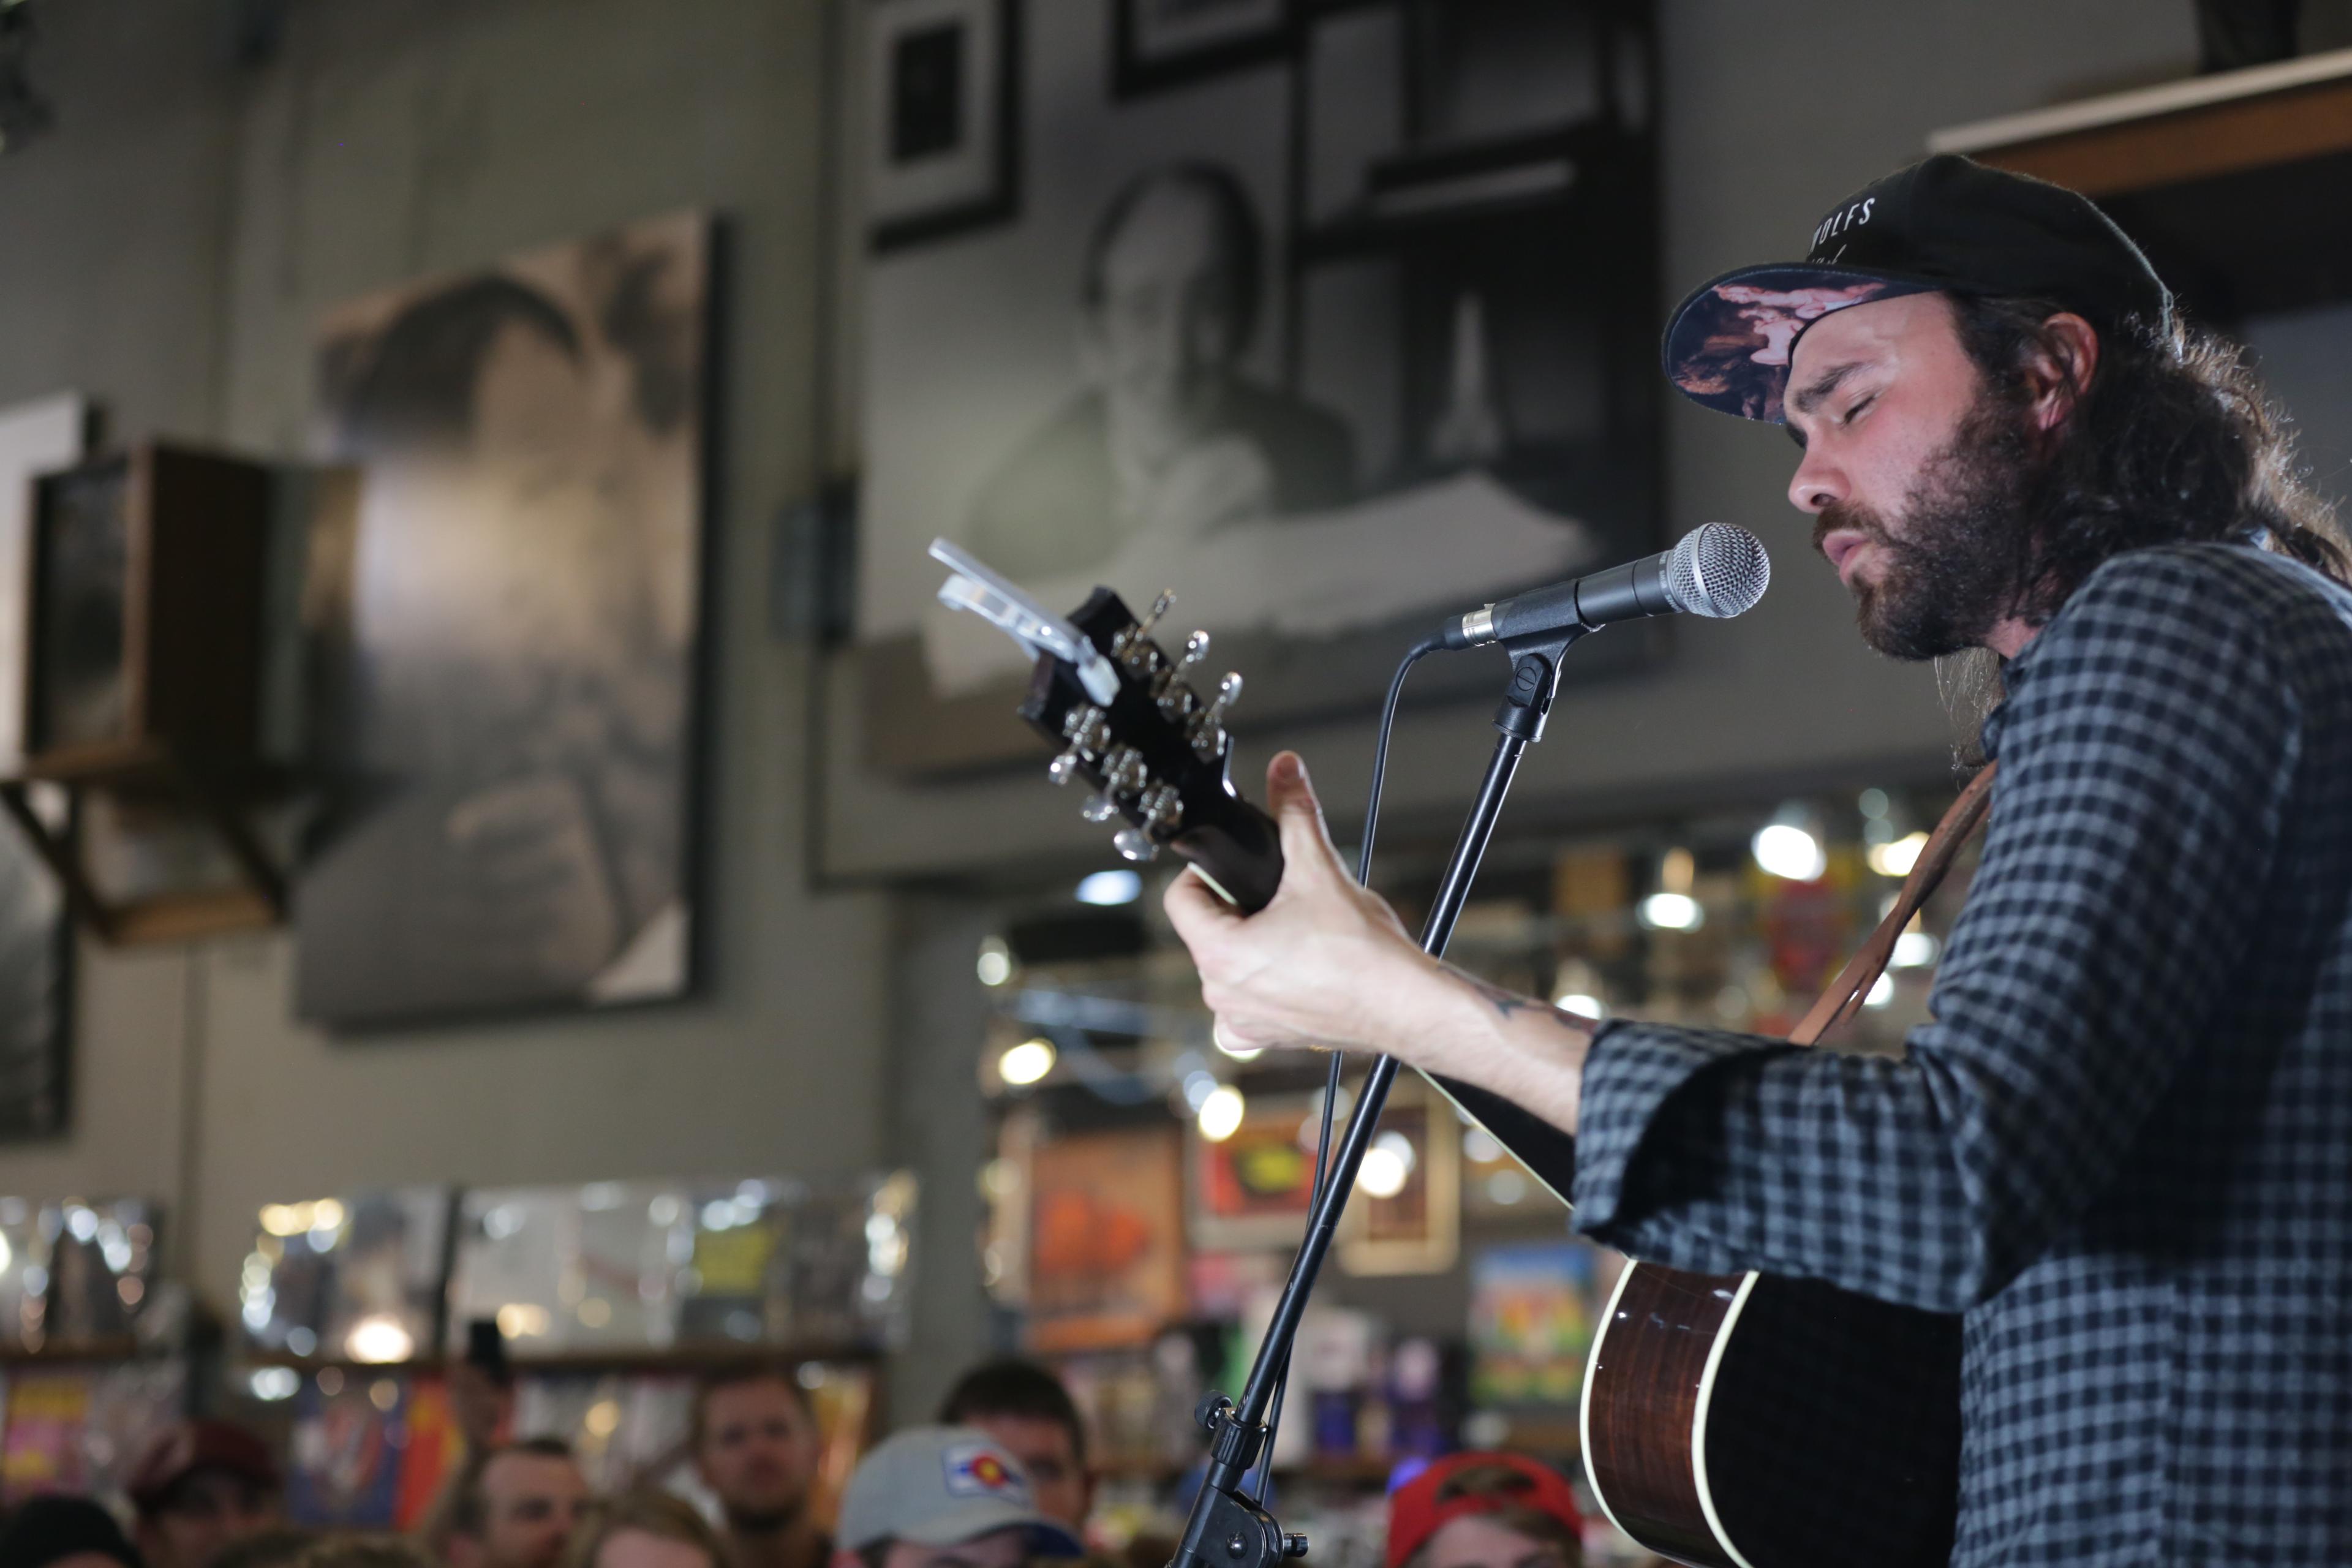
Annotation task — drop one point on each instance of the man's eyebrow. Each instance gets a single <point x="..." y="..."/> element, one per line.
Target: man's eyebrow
<point x="1811" y="397"/>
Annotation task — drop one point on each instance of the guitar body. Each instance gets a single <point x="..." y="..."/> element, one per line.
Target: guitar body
<point x="1749" y="1421"/>
<point x="1733" y="1421"/>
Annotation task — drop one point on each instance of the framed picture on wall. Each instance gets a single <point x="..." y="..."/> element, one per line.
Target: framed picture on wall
<point x="503" y="633"/>
<point x="1253" y="1188"/>
<point x="1167" y="43"/>
<point x="943" y="82"/>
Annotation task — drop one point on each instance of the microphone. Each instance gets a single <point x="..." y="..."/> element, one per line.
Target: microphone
<point x="1715" y="570"/>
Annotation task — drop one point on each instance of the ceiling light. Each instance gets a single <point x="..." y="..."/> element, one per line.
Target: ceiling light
<point x="1382" y="1174"/>
<point x="1671" y="911"/>
<point x="1789" y="852"/>
<point x="1109" y="888"/>
<point x="1915" y="950"/>
<point x="1220" y="1113"/>
<point x="1026" y="1063"/>
<point x="1896" y="859"/>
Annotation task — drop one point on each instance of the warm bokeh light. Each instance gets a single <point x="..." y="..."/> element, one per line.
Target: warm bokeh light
<point x="379" y="1338"/>
<point x="1896" y="859"/>
<point x="1026" y="1063"/>
<point x="1671" y="912"/>
<point x="1788" y="851"/>
<point x="1220" y="1113"/>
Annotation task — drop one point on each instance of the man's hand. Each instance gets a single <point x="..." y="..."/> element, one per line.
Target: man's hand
<point x="1328" y="963"/>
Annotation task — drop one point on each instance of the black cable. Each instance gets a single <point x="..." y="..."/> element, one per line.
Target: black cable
<point x="1338" y="1060"/>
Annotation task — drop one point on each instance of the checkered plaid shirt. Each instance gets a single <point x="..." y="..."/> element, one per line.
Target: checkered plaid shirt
<point x="2122" y="1148"/>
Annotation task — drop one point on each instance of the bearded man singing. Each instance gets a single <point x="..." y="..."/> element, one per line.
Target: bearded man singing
<point x="2122" y="1148"/>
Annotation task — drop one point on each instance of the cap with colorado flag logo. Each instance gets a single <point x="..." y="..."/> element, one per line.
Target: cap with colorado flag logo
<point x="1944" y="225"/>
<point x="942" y="1485"/>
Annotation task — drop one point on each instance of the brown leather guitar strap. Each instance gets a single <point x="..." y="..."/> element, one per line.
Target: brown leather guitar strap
<point x="1844" y="997"/>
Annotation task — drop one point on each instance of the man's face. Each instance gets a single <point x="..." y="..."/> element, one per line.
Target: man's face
<point x="1915" y="471"/>
<point x="999" y="1549"/>
<point x="1474" y="1540"/>
<point x="758" y="1451"/>
<point x="208" y="1513"/>
<point x="1057" y="1480"/>
<point x="531" y="1502"/>
<point x="1164" y="334"/>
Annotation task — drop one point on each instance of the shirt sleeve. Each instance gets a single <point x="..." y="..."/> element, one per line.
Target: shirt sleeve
<point x="2148" y="748"/>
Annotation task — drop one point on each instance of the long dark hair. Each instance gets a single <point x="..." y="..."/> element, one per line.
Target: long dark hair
<point x="2173" y="442"/>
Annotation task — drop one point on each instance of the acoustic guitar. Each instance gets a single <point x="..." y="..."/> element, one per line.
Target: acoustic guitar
<point x="1731" y="1421"/>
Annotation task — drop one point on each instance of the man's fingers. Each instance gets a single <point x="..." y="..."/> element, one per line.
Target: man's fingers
<point x="1194" y="910"/>
<point x="1306" y="840"/>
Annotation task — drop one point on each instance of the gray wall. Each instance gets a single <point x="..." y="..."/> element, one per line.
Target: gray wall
<point x="170" y="248"/>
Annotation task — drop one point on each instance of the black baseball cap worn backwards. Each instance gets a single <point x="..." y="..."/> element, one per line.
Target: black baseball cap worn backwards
<point x="1944" y="226"/>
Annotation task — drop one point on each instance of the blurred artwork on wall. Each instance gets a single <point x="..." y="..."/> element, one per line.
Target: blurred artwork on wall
<point x="1326" y="318"/>
<point x="504" y="636"/>
<point x="35" y="938"/>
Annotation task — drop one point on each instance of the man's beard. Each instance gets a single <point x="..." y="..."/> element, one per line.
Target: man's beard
<point x="1959" y="565"/>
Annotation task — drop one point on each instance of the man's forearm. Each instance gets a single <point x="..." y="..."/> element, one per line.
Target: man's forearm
<point x="1526" y="1050"/>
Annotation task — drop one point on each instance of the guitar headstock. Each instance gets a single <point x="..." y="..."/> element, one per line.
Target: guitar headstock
<point x="1157" y="755"/>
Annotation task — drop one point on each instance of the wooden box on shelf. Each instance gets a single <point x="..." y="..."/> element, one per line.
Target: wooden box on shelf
<point x="142" y="666"/>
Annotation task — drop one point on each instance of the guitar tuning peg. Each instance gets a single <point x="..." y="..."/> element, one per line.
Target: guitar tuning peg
<point x="1064" y="768"/>
<point x="1229" y="692"/>
<point x="1196" y="648"/>
<point x="1098" y="808"/>
<point x="1159" y="606"/>
<point x="1135" y="844"/>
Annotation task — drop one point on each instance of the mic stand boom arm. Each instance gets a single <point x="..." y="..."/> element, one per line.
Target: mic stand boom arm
<point x="1228" y="1527"/>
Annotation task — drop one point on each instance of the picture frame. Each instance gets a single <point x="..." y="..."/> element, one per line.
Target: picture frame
<point x="1418" y="1229"/>
<point x="942" y="94"/>
<point x="1162" y="44"/>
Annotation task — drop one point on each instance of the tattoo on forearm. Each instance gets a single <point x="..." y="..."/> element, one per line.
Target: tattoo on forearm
<point x="1511" y="1005"/>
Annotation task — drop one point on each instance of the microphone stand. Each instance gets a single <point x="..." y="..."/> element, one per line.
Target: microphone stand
<point x="1228" y="1528"/>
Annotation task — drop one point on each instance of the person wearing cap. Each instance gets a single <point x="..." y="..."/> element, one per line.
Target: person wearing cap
<point x="198" y="1489"/>
<point x="2120" y="1146"/>
<point x="1486" y="1510"/>
<point x="943" y="1496"/>
<point x="64" y="1533"/>
<point x="1026" y="1407"/>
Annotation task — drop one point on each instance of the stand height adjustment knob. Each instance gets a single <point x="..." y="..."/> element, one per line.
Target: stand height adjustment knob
<point x="1293" y="1546"/>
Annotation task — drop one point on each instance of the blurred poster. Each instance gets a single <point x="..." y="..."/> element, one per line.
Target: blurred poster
<point x="1107" y="1240"/>
<point x="351" y="1436"/>
<point x="1253" y="1188"/>
<point x="504" y="635"/>
<point x="1532" y="1310"/>
<point x="1324" y="317"/>
<point x="36" y="947"/>
<point x="41" y="1450"/>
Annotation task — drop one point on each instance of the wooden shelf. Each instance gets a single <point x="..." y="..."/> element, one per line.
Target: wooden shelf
<point x="2235" y="184"/>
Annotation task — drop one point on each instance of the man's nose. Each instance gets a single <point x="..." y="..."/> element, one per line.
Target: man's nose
<point x="1816" y="485"/>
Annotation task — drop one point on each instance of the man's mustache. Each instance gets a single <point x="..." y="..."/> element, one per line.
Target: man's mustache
<point x="1852" y="518"/>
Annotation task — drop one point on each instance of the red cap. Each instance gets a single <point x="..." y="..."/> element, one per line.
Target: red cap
<point x="180" y="1450"/>
<point x="1416" y="1513"/>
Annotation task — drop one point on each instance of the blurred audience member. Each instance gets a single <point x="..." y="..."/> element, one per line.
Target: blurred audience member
<point x="520" y="1507"/>
<point x="65" y="1532"/>
<point x="756" y="1447"/>
<point x="363" y="1552"/>
<point x="1486" y="1510"/>
<point x="647" y="1530"/>
<point x="1024" y="1406"/>
<point x="944" y="1497"/>
<point x="200" y="1488"/>
<point x="280" y="1547"/>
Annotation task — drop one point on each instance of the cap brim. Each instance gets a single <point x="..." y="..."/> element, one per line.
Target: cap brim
<point x="1727" y="345"/>
<point x="986" y="1516"/>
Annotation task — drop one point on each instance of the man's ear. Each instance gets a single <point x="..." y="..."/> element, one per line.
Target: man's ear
<point x="2059" y="373"/>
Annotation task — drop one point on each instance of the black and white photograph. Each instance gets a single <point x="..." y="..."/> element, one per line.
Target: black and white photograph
<point x="1165" y="43"/>
<point x="504" y="636"/>
<point x="1320" y="340"/>
<point x="943" y="84"/>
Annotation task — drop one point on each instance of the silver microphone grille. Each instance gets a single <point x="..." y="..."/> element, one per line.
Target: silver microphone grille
<point x="1717" y="571"/>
